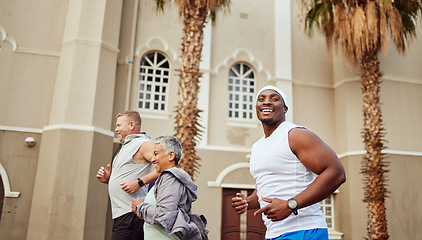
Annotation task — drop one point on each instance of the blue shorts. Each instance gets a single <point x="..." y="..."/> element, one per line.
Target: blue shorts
<point x="311" y="234"/>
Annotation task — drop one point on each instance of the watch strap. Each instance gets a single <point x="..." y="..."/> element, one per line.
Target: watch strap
<point x="140" y="182"/>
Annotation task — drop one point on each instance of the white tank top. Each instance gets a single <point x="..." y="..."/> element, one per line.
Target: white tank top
<point x="280" y="174"/>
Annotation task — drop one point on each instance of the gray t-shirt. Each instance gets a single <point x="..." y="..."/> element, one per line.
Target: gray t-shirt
<point x="125" y="168"/>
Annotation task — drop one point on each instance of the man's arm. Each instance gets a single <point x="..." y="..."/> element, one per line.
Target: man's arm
<point x="241" y="204"/>
<point x="103" y="174"/>
<point x="132" y="186"/>
<point x="318" y="157"/>
<point x="144" y="153"/>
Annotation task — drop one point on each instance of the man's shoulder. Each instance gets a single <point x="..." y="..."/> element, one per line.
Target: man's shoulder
<point x="138" y="139"/>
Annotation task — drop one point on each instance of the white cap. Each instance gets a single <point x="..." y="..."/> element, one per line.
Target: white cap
<point x="269" y="87"/>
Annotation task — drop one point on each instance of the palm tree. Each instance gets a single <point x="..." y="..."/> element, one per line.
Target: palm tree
<point x="362" y="29"/>
<point x="194" y="14"/>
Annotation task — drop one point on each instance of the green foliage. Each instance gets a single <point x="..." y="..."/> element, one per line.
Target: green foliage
<point x="319" y="16"/>
<point x="409" y="10"/>
<point x="160" y="4"/>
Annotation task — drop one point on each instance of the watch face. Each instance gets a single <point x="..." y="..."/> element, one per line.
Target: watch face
<point x="292" y="203"/>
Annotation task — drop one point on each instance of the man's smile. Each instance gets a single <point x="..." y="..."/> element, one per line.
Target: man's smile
<point x="267" y="110"/>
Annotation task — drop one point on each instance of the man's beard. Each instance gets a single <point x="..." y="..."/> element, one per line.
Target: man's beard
<point x="266" y="120"/>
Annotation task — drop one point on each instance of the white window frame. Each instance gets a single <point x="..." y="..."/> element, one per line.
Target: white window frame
<point x="330" y="216"/>
<point x="240" y="98"/>
<point x="153" y="92"/>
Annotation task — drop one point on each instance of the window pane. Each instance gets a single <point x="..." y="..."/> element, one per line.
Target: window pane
<point x="165" y="65"/>
<point x="154" y="75"/>
<point x="241" y="90"/>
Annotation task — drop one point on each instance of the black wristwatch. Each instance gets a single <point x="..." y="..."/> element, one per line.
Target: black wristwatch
<point x="140" y="182"/>
<point x="292" y="205"/>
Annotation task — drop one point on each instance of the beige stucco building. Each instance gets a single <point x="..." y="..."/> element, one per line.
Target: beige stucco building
<point x="68" y="67"/>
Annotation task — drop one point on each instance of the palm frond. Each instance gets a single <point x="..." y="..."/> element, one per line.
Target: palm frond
<point x="396" y="28"/>
<point x="342" y="28"/>
<point x="358" y="30"/>
<point x="372" y="21"/>
<point x="223" y="8"/>
<point x="384" y="37"/>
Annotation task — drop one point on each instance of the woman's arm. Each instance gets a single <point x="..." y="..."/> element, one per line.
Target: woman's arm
<point x="169" y="191"/>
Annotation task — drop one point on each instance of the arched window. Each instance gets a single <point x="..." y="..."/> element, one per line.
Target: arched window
<point x="153" y="82"/>
<point x="241" y="91"/>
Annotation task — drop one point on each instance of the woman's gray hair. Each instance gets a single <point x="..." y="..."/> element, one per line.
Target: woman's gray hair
<point x="170" y="144"/>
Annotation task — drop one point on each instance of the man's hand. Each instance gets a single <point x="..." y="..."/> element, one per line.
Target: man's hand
<point x="239" y="203"/>
<point x="130" y="186"/>
<point x="135" y="203"/>
<point x="276" y="210"/>
<point x="103" y="174"/>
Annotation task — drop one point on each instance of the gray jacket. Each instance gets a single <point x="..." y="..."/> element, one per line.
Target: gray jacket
<point x="175" y="193"/>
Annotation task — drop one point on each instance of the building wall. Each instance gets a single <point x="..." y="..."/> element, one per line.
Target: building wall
<point x="66" y="70"/>
<point x="20" y="163"/>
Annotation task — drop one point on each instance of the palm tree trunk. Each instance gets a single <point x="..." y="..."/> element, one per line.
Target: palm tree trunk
<point x="187" y="113"/>
<point x="373" y="164"/>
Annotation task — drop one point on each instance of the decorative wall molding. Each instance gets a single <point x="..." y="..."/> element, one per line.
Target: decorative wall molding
<point x="384" y="78"/>
<point x="86" y="41"/>
<point x="356" y="79"/>
<point x="58" y="126"/>
<point x="3" y="33"/>
<point x="79" y="128"/>
<point x="219" y="181"/>
<point x="15" y="48"/>
<point x="243" y="55"/>
<point x="5" y="38"/>
<point x="140" y="50"/>
<point x="240" y="123"/>
<point x="154" y="115"/>
<point x="313" y="84"/>
<point x="7" y="191"/>
<point x="20" y="129"/>
<point x="38" y="52"/>
<point x="387" y="151"/>
<point x="224" y="148"/>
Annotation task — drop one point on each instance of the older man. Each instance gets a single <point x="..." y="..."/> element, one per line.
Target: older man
<point x="126" y="178"/>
